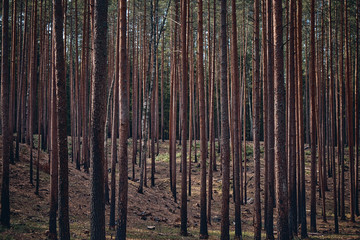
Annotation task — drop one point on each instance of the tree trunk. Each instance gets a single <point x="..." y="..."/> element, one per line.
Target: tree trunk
<point x="171" y="156"/>
<point x="341" y="115"/>
<point x="41" y="70"/>
<point x="332" y="122"/>
<point x="115" y="130"/>
<point x="280" y="136"/>
<point x="143" y="160"/>
<point x="134" y="102"/>
<point x="5" y="111"/>
<point x="174" y="102"/>
<point x="153" y="101"/>
<point x="357" y="102"/>
<point x="321" y="121"/>
<point x="54" y="151"/>
<point x="83" y="89"/>
<point x="22" y="83"/>
<point x="191" y="84"/>
<point x="256" y="117"/>
<point x="313" y="118"/>
<point x="184" y="125"/>
<point x="153" y="131"/>
<point x="98" y="114"/>
<point x="203" y="140"/>
<point x="212" y="118"/>
<point x="77" y="95"/>
<point x="58" y="18"/>
<point x="12" y="81"/>
<point x="225" y="143"/>
<point x="32" y="83"/>
<point x="265" y="113"/>
<point x="243" y="172"/>
<point x="300" y="112"/>
<point x="162" y="88"/>
<point x="349" y="114"/>
<point x="123" y="128"/>
<point x="270" y="127"/>
<point x="291" y="126"/>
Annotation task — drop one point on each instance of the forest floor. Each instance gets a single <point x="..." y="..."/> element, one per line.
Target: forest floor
<point x="156" y="207"/>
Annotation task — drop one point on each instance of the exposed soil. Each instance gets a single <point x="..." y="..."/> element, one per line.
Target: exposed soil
<point x="156" y="207"/>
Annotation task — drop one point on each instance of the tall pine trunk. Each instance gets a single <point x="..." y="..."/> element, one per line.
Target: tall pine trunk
<point x="280" y="136"/>
<point x="332" y="123"/>
<point x="54" y="151"/>
<point x="265" y="113"/>
<point x="349" y="114"/>
<point x="184" y="125"/>
<point x="123" y="128"/>
<point x="115" y="130"/>
<point x="203" y="140"/>
<point x="134" y="101"/>
<point x="58" y="18"/>
<point x="313" y="118"/>
<point x="291" y="127"/>
<point x="256" y="119"/>
<point x="300" y="112"/>
<point x="357" y="102"/>
<point x="98" y="115"/>
<point x="32" y="83"/>
<point x="5" y="111"/>
<point x="12" y="80"/>
<point x="212" y="118"/>
<point x="270" y="122"/>
<point x="225" y="138"/>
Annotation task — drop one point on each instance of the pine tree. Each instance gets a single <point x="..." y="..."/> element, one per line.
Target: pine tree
<point x="225" y="143"/>
<point x="184" y="127"/>
<point x="256" y="119"/>
<point x="61" y="105"/>
<point x="291" y="126"/>
<point x="98" y="114"/>
<point x="6" y="134"/>
<point x="300" y="112"/>
<point x="270" y="122"/>
<point x="280" y="137"/>
<point x="203" y="140"/>
<point x="115" y="130"/>
<point x="332" y="122"/>
<point x="54" y="153"/>
<point x="313" y="118"/>
<point x="123" y="128"/>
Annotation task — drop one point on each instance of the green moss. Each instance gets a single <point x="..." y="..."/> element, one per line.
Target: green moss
<point x="249" y="151"/>
<point x="163" y="157"/>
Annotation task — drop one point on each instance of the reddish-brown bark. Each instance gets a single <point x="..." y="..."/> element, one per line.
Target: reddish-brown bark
<point x="225" y="133"/>
<point x="256" y="119"/>
<point x="203" y="140"/>
<point x="5" y="115"/>
<point x="123" y="128"/>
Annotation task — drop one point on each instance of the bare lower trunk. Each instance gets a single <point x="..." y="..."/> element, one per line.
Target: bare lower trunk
<point x="313" y="119"/>
<point x="256" y="119"/>
<point x="225" y="143"/>
<point x="5" y="111"/>
<point x="203" y="140"/>
<point x="270" y="124"/>
<point x="292" y="127"/>
<point x="332" y="122"/>
<point x="123" y="127"/>
<point x="58" y="18"/>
